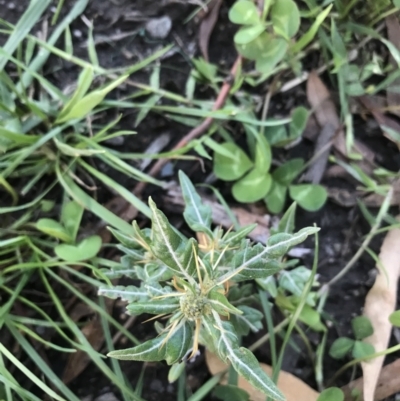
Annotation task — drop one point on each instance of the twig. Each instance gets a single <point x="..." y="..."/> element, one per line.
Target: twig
<point x="197" y="131"/>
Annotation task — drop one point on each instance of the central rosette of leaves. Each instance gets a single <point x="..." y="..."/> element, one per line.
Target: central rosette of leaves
<point x="194" y="306"/>
<point x="197" y="289"/>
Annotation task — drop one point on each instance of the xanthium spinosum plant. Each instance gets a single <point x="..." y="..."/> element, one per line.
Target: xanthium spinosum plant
<point x="197" y="287"/>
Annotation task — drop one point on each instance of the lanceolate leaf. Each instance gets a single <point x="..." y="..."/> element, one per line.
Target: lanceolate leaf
<point x="154" y="306"/>
<point x="196" y="214"/>
<point x="246" y="364"/>
<point x="149" y="351"/>
<point x="179" y="343"/>
<point x="168" y="246"/>
<point x="219" y="303"/>
<point x="235" y="237"/>
<point x="129" y="293"/>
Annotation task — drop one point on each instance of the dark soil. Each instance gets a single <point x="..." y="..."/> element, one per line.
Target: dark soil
<point x="342" y="229"/>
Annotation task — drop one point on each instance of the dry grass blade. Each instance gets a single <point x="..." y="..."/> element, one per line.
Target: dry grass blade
<point x="293" y="388"/>
<point x="379" y="304"/>
<point x="324" y="109"/>
<point x="207" y="26"/>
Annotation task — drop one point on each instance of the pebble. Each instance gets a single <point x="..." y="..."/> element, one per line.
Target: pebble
<point x="107" y="397"/>
<point x="159" y="28"/>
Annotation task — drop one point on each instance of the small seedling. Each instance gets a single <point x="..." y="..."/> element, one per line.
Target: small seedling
<point x="362" y="328"/>
<point x="196" y="287"/>
<point x="267" y="37"/>
<point x="66" y="231"/>
<point x="331" y="394"/>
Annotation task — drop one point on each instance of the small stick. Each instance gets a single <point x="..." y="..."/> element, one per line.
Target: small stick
<point x="197" y="131"/>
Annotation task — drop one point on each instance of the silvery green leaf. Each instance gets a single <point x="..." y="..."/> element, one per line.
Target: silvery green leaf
<point x="234" y="237"/>
<point x="135" y="254"/>
<point x="249" y="320"/>
<point x="294" y="280"/>
<point x="220" y="303"/>
<point x="197" y="215"/>
<point x="276" y="246"/>
<point x="179" y="343"/>
<point x="246" y="364"/>
<point x="126" y="240"/>
<point x="243" y="294"/>
<point x="128" y="293"/>
<point x="154" y="289"/>
<point x="169" y="247"/>
<point x="149" y="351"/>
<point x="119" y="271"/>
<point x="143" y="237"/>
<point x="155" y="271"/>
<point x="268" y="284"/>
<point x="286" y="224"/>
<point x="154" y="307"/>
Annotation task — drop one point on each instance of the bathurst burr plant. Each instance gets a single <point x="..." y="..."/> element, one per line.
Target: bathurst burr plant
<point x="196" y="287"/>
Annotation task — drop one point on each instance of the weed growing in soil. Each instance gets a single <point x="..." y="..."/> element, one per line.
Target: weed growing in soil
<point x="196" y="286"/>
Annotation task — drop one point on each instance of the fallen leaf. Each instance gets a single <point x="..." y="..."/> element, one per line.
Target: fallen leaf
<point x="388" y="383"/>
<point x="392" y="94"/>
<point x="292" y="387"/>
<point x="207" y="26"/>
<point x="379" y="304"/>
<point x="324" y="109"/>
<point x="321" y="153"/>
<point x="78" y="361"/>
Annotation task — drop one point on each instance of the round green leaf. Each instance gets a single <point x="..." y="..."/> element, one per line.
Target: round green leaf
<point x="254" y="49"/>
<point x="299" y="121"/>
<point x="86" y="249"/>
<point x="248" y="33"/>
<point x="362" y="349"/>
<point x="275" y="199"/>
<point x="394" y="318"/>
<point x="230" y="168"/>
<point x="341" y="347"/>
<point x="331" y="394"/>
<point x="263" y="155"/>
<point x="252" y="187"/>
<point x="244" y="12"/>
<point x="285" y="18"/>
<point x="54" y="229"/>
<point x="286" y="173"/>
<point x="362" y="327"/>
<point x="310" y="197"/>
<point x="272" y="53"/>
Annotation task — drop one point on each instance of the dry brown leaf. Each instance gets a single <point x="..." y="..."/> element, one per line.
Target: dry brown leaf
<point x="393" y="32"/>
<point x="78" y="361"/>
<point x="379" y="304"/>
<point x="388" y="383"/>
<point x="324" y="109"/>
<point x="292" y="387"/>
<point x="207" y="26"/>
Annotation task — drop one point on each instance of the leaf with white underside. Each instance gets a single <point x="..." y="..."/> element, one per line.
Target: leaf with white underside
<point x="149" y="351"/>
<point x="246" y="364"/>
<point x="197" y="215"/>
<point x="128" y="293"/>
<point x="168" y="246"/>
<point x="249" y="320"/>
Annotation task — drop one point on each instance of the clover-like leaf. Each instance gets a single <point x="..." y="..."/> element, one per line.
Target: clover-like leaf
<point x="362" y="327"/>
<point x="244" y="12"/>
<point x="276" y="197"/>
<point x="310" y="197"/>
<point x="331" y="394"/>
<point x="362" y="349"/>
<point x="53" y="228"/>
<point x="197" y="215"/>
<point x="285" y="18"/>
<point x="248" y="33"/>
<point x="288" y="171"/>
<point x="253" y="187"/>
<point x="341" y="347"/>
<point x="86" y="249"/>
<point x="231" y="165"/>
<point x="272" y="53"/>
